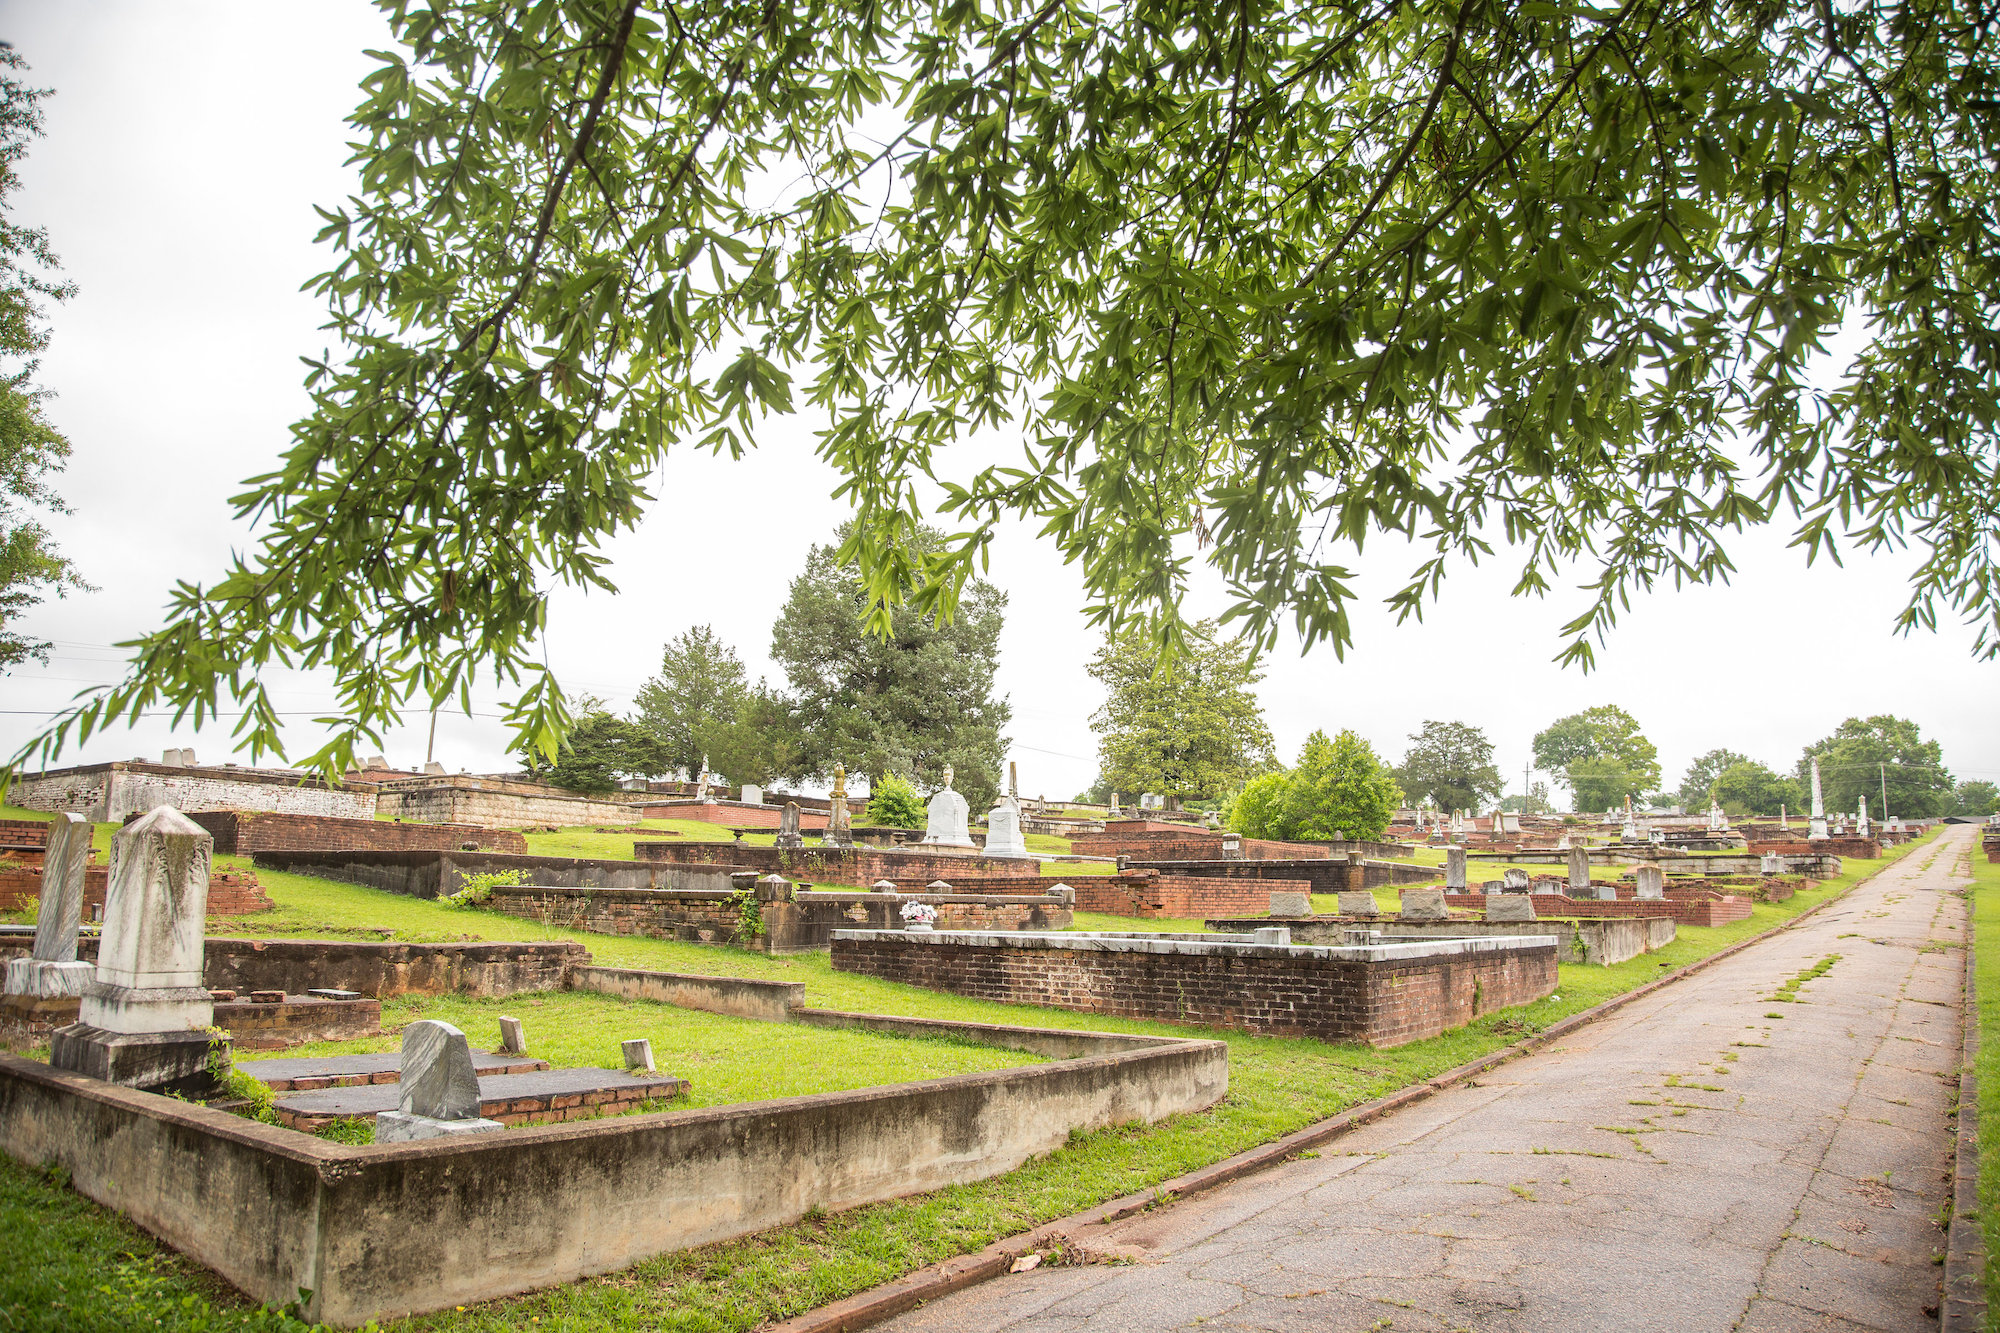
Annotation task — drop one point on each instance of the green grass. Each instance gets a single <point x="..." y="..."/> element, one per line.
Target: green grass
<point x="1277" y="1085"/>
<point x="1985" y="905"/>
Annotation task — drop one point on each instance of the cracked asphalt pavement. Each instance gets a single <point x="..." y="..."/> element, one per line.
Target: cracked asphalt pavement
<point x="1762" y="1147"/>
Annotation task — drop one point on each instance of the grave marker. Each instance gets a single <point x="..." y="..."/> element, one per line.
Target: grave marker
<point x="1579" y="870"/>
<point x="1355" y="902"/>
<point x="839" y="824"/>
<point x="1424" y="905"/>
<point x="1003" y="830"/>
<point x="947" y="825"/>
<point x="1652" y="884"/>
<point x="788" y="827"/>
<point x="1291" y="904"/>
<point x="1454" y="870"/>
<point x="1509" y="907"/>
<point x="437" y="1092"/>
<point x="50" y="971"/>
<point x="513" y="1041"/>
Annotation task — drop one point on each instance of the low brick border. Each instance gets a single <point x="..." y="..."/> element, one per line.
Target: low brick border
<point x="1962" y="1305"/>
<point x="874" y="1306"/>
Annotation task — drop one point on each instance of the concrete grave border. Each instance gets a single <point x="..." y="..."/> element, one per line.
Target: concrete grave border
<point x="386" y="1230"/>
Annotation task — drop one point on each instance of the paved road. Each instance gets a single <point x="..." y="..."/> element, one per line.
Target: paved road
<point x="1708" y="1158"/>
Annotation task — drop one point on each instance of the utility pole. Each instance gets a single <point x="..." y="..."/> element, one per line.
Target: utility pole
<point x="430" y="746"/>
<point x="1525" y="802"/>
<point x="1882" y="771"/>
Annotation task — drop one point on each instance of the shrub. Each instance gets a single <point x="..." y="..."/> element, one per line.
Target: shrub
<point x="894" y="803"/>
<point x="478" y="889"/>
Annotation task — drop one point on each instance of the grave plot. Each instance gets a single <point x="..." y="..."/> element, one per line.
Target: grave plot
<point x="1381" y="994"/>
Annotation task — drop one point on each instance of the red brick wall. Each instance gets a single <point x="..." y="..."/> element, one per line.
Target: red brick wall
<point x="736" y="816"/>
<point x="1148" y="893"/>
<point x="1187" y="845"/>
<point x="1276" y="991"/>
<point x="230" y="892"/>
<point x="24" y="832"/>
<point x="244" y="832"/>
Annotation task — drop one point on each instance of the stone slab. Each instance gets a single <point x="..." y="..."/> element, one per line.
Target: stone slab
<point x="1291" y="904"/>
<point x="1424" y="905"/>
<point x="1510" y="907"/>
<point x="496" y="1093"/>
<point x="326" y="1071"/>
<point x="1359" y="903"/>
<point x="396" y="1127"/>
<point x="177" y="1062"/>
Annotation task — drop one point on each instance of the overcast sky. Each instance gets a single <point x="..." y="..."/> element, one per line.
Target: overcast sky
<point x="186" y="146"/>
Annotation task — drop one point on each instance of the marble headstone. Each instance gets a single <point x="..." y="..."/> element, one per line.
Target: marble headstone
<point x="1291" y="904"/>
<point x="788" y="827"/>
<point x="1003" y="830"/>
<point x="1817" y="828"/>
<point x="1424" y="905"/>
<point x="752" y="794"/>
<point x="1454" y="870"/>
<point x="1652" y="884"/>
<point x="51" y="972"/>
<point x="1358" y="903"/>
<point x="1579" y="871"/>
<point x="513" y="1041"/>
<point x="1771" y="864"/>
<point x="948" y="822"/>
<point x="1605" y="892"/>
<point x="149" y="955"/>
<point x="1509" y="907"/>
<point x="839" y="823"/>
<point x="438" y="1090"/>
<point x="1514" y="880"/>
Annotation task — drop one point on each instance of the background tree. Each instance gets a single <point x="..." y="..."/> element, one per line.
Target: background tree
<point x="1701" y="775"/>
<point x="894" y="803"/>
<point x="1188" y="726"/>
<point x="700" y="691"/>
<point x="600" y="750"/>
<point x="1601" y="755"/>
<point x="1747" y="787"/>
<point x="1451" y="764"/>
<point x="30" y="447"/>
<point x="912" y="703"/>
<point x="1536" y="802"/>
<point x="1338" y="789"/>
<point x="1252" y="282"/>
<point x="763" y="744"/>
<point x="1863" y="755"/>
<point x="1977" y="797"/>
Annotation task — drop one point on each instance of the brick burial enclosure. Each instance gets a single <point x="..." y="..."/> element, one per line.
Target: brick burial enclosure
<point x="857" y="866"/>
<point x="1383" y="995"/>
<point x="244" y="832"/>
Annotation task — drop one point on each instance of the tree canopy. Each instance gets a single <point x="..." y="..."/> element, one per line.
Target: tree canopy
<point x="1600" y="754"/>
<point x="30" y="447"/>
<point x="1747" y="787"/>
<point x="1976" y="797"/>
<point x="700" y="690"/>
<point x="1866" y="756"/>
<point x="1250" y="279"/>
<point x="1451" y="765"/>
<point x="1701" y="775"/>
<point x="1338" y="790"/>
<point x="1189" y="726"/>
<point x="913" y="703"/>
<point x="599" y="750"/>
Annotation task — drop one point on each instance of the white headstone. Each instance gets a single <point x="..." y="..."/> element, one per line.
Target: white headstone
<point x="1652" y="884"/>
<point x="1718" y="822"/>
<point x="1003" y="830"/>
<point x="50" y="971"/>
<point x="1514" y="880"/>
<point x="1861" y="819"/>
<point x="949" y="821"/>
<point x="1771" y="864"/>
<point x="1818" y="827"/>
<point x="149" y="956"/>
<point x="1606" y="891"/>
<point x="753" y="794"/>
<point x="638" y="1054"/>
<point x="513" y="1041"/>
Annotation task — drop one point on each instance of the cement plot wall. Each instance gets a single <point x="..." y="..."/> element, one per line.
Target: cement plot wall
<point x="392" y="1229"/>
<point x="1381" y="994"/>
<point x="1602" y="941"/>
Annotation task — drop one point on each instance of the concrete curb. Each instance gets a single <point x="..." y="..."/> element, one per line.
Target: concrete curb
<point x="885" y="1302"/>
<point x="1962" y="1305"/>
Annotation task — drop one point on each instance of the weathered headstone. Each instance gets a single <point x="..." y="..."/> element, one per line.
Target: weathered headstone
<point x="142" y="1020"/>
<point x="1232" y="847"/>
<point x="1509" y="907"/>
<point x="513" y="1041"/>
<point x="50" y="971"/>
<point x="702" y="782"/>
<point x="1425" y="904"/>
<point x="937" y="886"/>
<point x="839" y="824"/>
<point x="1454" y="870"/>
<point x="638" y="1054"/>
<point x="437" y="1092"/>
<point x="788" y="827"/>
<point x="1817" y="829"/>
<point x="1514" y="880"/>
<point x="1771" y="864"/>
<point x="1579" y="870"/>
<point x="1861" y="819"/>
<point x="1280" y="936"/>
<point x="1003" y="830"/>
<point x="948" y="822"/>
<point x="1291" y="904"/>
<point x="1354" y="902"/>
<point x="1651" y="884"/>
<point x="1718" y="822"/>
<point x="752" y="794"/>
<point x="1605" y="891"/>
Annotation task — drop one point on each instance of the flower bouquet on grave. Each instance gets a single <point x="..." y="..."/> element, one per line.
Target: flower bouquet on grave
<point x="919" y="916"/>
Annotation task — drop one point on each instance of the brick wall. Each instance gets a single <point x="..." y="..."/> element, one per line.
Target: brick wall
<point x="1868" y="849"/>
<point x="735" y="815"/>
<point x="1188" y="845"/>
<point x="497" y="803"/>
<point x="230" y="892"/>
<point x="106" y="793"/>
<point x="1275" y="991"/>
<point x="856" y="866"/>
<point x="1148" y="893"/>
<point x="1686" y="908"/>
<point x="24" y="833"/>
<point x="244" y="832"/>
<point x="803" y="922"/>
<point x="1325" y="874"/>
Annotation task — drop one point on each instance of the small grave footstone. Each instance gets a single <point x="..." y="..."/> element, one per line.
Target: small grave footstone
<point x="438" y="1091"/>
<point x="328" y="993"/>
<point x="1509" y="907"/>
<point x="1605" y="891"/>
<point x="937" y="886"/>
<point x="267" y="997"/>
<point x="1291" y="904"/>
<point x="1454" y="870"/>
<point x="513" y="1041"/>
<point x="1278" y="935"/>
<point x="1424" y="905"/>
<point x="884" y="886"/>
<point x="1232" y="847"/>
<point x="1358" y="903"/>
<point x="1652" y="884"/>
<point x="638" y="1054"/>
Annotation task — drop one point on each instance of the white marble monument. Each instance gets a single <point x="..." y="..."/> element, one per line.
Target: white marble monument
<point x="51" y="971"/>
<point x="949" y="824"/>
<point x="1818" y="829"/>
<point x="1003" y="830"/>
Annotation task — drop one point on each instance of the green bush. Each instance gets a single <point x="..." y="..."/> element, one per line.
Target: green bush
<point x="894" y="803"/>
<point x="478" y="889"/>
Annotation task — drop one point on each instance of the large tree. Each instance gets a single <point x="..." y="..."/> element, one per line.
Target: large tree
<point x="1601" y="754"/>
<point x="1747" y="787"/>
<point x="1248" y="282"/>
<point x="1977" y="797"/>
<point x="1451" y="765"/>
<point x="30" y="446"/>
<point x="599" y="750"/>
<point x="913" y="703"/>
<point x="1339" y="789"/>
<point x="1701" y="775"/>
<point x="1189" y="726"/>
<point x="700" y="691"/>
<point x="1866" y="756"/>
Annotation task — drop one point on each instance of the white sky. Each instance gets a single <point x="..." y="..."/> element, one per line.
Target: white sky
<point x="186" y="146"/>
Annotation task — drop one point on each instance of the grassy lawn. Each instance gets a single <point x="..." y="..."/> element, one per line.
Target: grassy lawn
<point x="1985" y="904"/>
<point x="93" y="1271"/>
